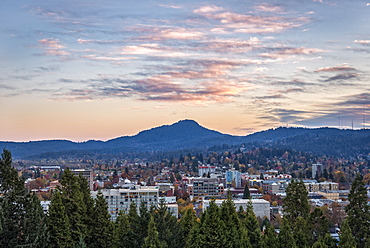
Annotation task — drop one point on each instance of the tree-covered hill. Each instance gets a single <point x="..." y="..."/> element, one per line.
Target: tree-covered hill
<point x="188" y="134"/>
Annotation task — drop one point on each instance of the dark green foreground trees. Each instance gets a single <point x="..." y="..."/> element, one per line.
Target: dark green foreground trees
<point x="76" y="220"/>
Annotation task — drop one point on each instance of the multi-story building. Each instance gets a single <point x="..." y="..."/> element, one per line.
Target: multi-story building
<point x="204" y="170"/>
<point x="88" y="174"/>
<point x="261" y="208"/>
<point x="233" y="178"/>
<point x="121" y="199"/>
<point x="203" y="186"/>
<point x="313" y="186"/>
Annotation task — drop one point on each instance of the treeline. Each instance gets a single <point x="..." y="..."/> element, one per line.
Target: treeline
<point x="75" y="219"/>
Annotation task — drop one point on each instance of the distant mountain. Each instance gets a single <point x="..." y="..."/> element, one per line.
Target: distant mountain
<point x="188" y="134"/>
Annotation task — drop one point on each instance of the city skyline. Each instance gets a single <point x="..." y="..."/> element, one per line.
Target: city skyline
<point x="81" y="70"/>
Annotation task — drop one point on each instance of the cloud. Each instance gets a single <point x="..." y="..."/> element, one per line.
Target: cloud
<point x="231" y="45"/>
<point x="363" y="42"/>
<point x="170" y="6"/>
<point x="164" y="33"/>
<point x="165" y="87"/>
<point x="342" y="76"/>
<point x="266" y="7"/>
<point x="283" y="52"/>
<point x="7" y="87"/>
<point x="337" y="68"/>
<point x="53" y="47"/>
<point x="249" y="23"/>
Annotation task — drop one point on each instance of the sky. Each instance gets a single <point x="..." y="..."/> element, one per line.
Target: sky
<point x="82" y="70"/>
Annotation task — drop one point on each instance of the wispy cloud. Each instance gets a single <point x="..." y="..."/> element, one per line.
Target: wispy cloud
<point x="283" y="52"/>
<point x="342" y="76"/>
<point x="337" y="68"/>
<point x="363" y="42"/>
<point x="53" y="47"/>
<point x="266" y="7"/>
<point x="249" y="23"/>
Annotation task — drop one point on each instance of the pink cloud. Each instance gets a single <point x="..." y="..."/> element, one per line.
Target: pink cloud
<point x="53" y="47"/>
<point x="336" y="68"/>
<point x="250" y="23"/>
<point x="287" y="52"/>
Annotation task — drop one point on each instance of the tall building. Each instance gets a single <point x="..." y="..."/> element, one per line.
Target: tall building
<point x="233" y="177"/>
<point x="121" y="199"/>
<point x="316" y="168"/>
<point x="88" y="174"/>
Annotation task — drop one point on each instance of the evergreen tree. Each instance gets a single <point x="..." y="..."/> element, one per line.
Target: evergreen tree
<point x="246" y="193"/>
<point x="88" y="215"/>
<point x="122" y="231"/>
<point x="302" y="232"/>
<point x="325" y="241"/>
<point x="22" y="218"/>
<point x="319" y="223"/>
<point x="252" y="226"/>
<point x="186" y="223"/>
<point x="358" y="212"/>
<point x="152" y="240"/>
<point x="167" y="225"/>
<point x="143" y="221"/>
<point x="134" y="227"/>
<point x="210" y="232"/>
<point x="103" y="228"/>
<point x="236" y="234"/>
<point x="75" y="208"/>
<point x="58" y="223"/>
<point x="296" y="201"/>
<point x="346" y="237"/>
<point x="285" y="237"/>
<point x="269" y="238"/>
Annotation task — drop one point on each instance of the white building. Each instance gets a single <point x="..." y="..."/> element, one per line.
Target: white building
<point x="205" y="169"/>
<point x="121" y="199"/>
<point x="261" y="208"/>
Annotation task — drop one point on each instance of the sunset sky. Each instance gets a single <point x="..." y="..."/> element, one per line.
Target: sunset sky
<point x="100" y="69"/>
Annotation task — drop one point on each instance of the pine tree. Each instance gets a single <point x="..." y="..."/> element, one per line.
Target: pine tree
<point x="319" y="223"/>
<point x="285" y="237"/>
<point x="346" y="237"/>
<point x="358" y="212"/>
<point x="186" y="223"/>
<point x="246" y="193"/>
<point x="252" y="226"/>
<point x="58" y="223"/>
<point x="103" y="228"/>
<point x="122" y="230"/>
<point x="211" y="229"/>
<point x="22" y="218"/>
<point x="167" y="225"/>
<point x="325" y="241"/>
<point x="296" y="201"/>
<point x="88" y="213"/>
<point x="75" y="208"/>
<point x="143" y="222"/>
<point x="236" y="235"/>
<point x="269" y="238"/>
<point x="152" y="240"/>
<point x="134" y="227"/>
<point x="302" y="232"/>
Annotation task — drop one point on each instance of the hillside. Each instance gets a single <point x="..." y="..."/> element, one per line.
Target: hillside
<point x="188" y="134"/>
